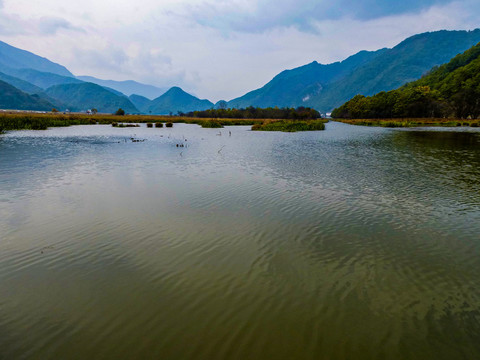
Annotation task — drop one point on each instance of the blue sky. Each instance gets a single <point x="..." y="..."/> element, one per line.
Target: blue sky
<point x="216" y="49"/>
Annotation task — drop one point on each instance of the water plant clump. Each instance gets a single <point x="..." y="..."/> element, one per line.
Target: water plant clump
<point x="412" y="122"/>
<point x="159" y="125"/>
<point x="169" y="124"/>
<point x="290" y="125"/>
<point x="211" y="124"/>
<point x="149" y="125"/>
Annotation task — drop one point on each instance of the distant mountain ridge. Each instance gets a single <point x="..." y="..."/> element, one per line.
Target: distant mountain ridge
<point x="292" y="87"/>
<point x="406" y="62"/>
<point x="324" y="87"/>
<point x="128" y="87"/>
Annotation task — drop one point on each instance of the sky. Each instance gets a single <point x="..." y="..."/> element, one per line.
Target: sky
<point x="217" y="49"/>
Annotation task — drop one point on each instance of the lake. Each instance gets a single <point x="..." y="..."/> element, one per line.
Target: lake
<point x="191" y="243"/>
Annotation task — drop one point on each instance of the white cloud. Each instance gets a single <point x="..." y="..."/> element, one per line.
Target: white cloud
<point x="167" y="43"/>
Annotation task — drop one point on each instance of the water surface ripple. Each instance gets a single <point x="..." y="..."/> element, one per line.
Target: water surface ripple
<point x="349" y="243"/>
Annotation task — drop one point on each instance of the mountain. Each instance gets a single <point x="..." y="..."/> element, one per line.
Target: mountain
<point x="14" y="58"/>
<point x="13" y="98"/>
<point x="293" y="87"/>
<point x="406" y="62"/>
<point x="176" y="100"/>
<point x="451" y="90"/>
<point x="42" y="79"/>
<point x="140" y="102"/>
<point x="83" y="96"/>
<point x="324" y="87"/>
<point x="20" y="84"/>
<point x="128" y="87"/>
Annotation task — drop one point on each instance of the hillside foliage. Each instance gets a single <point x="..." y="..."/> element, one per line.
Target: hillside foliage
<point x="451" y="90"/>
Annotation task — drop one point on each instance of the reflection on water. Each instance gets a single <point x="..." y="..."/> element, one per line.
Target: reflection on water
<point x="351" y="243"/>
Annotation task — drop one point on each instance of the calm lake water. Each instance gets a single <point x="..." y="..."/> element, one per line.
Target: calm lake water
<point x="350" y="243"/>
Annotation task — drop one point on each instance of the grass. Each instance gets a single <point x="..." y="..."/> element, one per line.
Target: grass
<point x="37" y="121"/>
<point x="290" y="125"/>
<point x="412" y="122"/>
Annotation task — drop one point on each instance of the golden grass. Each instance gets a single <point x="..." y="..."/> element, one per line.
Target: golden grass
<point x="412" y="122"/>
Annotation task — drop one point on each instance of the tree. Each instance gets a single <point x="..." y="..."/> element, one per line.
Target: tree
<point x="120" y="112"/>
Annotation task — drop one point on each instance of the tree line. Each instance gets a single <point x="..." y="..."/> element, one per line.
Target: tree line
<point x="299" y="113"/>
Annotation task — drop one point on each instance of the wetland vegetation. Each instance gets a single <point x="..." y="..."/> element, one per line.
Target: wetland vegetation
<point x="42" y="121"/>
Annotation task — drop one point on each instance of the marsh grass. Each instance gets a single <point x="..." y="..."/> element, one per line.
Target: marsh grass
<point x="290" y="125"/>
<point x="412" y="122"/>
<point x="37" y="121"/>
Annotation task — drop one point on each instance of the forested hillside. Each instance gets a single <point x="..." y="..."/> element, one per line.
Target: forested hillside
<point x="451" y="90"/>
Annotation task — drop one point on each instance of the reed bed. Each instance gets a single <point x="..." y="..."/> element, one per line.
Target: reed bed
<point x="412" y="122"/>
<point x="290" y="125"/>
<point x="42" y="121"/>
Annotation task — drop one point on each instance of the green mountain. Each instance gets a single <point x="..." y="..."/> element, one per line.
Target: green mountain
<point x="42" y="79"/>
<point x="406" y="62"/>
<point x="14" y="58"/>
<point x="83" y="96"/>
<point x="176" y="100"/>
<point x="451" y="90"/>
<point x="128" y="87"/>
<point x="140" y="102"/>
<point x="324" y="87"/>
<point x="13" y="98"/>
<point x="20" y="84"/>
<point x="294" y="87"/>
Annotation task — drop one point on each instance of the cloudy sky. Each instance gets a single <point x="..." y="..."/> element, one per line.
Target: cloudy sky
<point x="216" y="49"/>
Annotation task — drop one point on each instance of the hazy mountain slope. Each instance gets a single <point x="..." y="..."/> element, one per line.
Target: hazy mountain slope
<point x="42" y="79"/>
<point x="85" y="96"/>
<point x="15" y="99"/>
<point x="128" y="87"/>
<point x="407" y="61"/>
<point x="140" y="102"/>
<point x="20" y="84"/>
<point x="293" y="87"/>
<point x="452" y="90"/>
<point x="175" y="100"/>
<point x="14" y="58"/>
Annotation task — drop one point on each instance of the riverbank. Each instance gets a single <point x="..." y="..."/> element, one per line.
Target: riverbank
<point x="412" y="122"/>
<point x="39" y="121"/>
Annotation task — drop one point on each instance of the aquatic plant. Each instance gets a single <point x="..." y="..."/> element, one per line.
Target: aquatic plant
<point x="211" y="124"/>
<point x="290" y="125"/>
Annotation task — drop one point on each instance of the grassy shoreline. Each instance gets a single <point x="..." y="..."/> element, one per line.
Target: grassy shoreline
<point x="42" y="121"/>
<point x="412" y="122"/>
